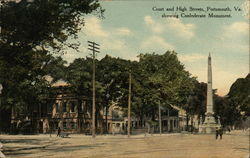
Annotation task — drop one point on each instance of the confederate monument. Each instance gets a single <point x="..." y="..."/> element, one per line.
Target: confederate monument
<point x="209" y="125"/>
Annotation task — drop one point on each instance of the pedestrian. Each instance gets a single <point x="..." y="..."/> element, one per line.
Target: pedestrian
<point x="221" y="132"/>
<point x="50" y="132"/>
<point x="58" y="132"/>
<point x="216" y="133"/>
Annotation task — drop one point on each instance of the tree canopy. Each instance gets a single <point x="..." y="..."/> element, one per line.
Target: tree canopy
<point x="239" y="95"/>
<point x="32" y="31"/>
<point x="155" y="78"/>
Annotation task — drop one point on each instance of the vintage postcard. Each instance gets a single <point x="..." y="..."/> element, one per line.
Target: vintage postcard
<point x="124" y="79"/>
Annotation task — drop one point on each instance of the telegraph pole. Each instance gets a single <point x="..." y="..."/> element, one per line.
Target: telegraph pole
<point x="1" y="87"/>
<point x="94" y="47"/>
<point x="160" y="117"/>
<point x="129" y="104"/>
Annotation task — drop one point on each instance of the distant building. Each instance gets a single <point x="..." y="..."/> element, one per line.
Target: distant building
<point x="73" y="115"/>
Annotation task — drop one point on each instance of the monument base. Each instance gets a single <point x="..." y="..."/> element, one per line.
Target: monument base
<point x="209" y="126"/>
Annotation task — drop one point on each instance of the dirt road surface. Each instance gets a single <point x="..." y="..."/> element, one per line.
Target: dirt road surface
<point x="233" y="145"/>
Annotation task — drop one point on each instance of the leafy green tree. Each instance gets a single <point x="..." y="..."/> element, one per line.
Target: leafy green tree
<point x="79" y="76"/>
<point x="112" y="73"/>
<point x="196" y="101"/>
<point x="239" y="94"/>
<point x="235" y="107"/>
<point x="30" y="32"/>
<point x="111" y="79"/>
<point x="227" y="112"/>
<point x="161" y="78"/>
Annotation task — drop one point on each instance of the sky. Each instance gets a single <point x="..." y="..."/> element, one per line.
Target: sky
<point x="132" y="27"/>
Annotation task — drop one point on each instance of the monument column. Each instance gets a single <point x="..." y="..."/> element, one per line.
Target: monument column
<point x="209" y="88"/>
<point x="209" y="125"/>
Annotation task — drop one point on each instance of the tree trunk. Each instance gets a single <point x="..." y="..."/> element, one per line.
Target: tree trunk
<point x="187" y="120"/>
<point x="141" y="120"/>
<point x="5" y="119"/>
<point x="153" y="115"/>
<point x="106" y="119"/>
<point x="192" y="123"/>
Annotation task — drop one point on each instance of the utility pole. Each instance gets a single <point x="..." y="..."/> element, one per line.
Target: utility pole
<point x="1" y="87"/>
<point x="160" y="117"/>
<point x="94" y="47"/>
<point x="129" y="104"/>
<point x="168" y="121"/>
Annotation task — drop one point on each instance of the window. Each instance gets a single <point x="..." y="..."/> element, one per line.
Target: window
<point x="118" y="125"/>
<point x="49" y="108"/>
<point x="83" y="104"/>
<point x="64" y="106"/>
<point x="57" y="107"/>
<point x="65" y="125"/>
<point x="51" y="125"/>
<point x="56" y="124"/>
<point x="73" y="125"/>
<point x="73" y="106"/>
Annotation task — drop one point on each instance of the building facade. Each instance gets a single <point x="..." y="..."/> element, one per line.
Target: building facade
<point x="72" y="114"/>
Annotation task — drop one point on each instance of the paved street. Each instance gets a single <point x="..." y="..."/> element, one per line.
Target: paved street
<point x="233" y="145"/>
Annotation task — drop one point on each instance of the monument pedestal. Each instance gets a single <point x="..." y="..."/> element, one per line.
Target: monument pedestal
<point x="209" y="126"/>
